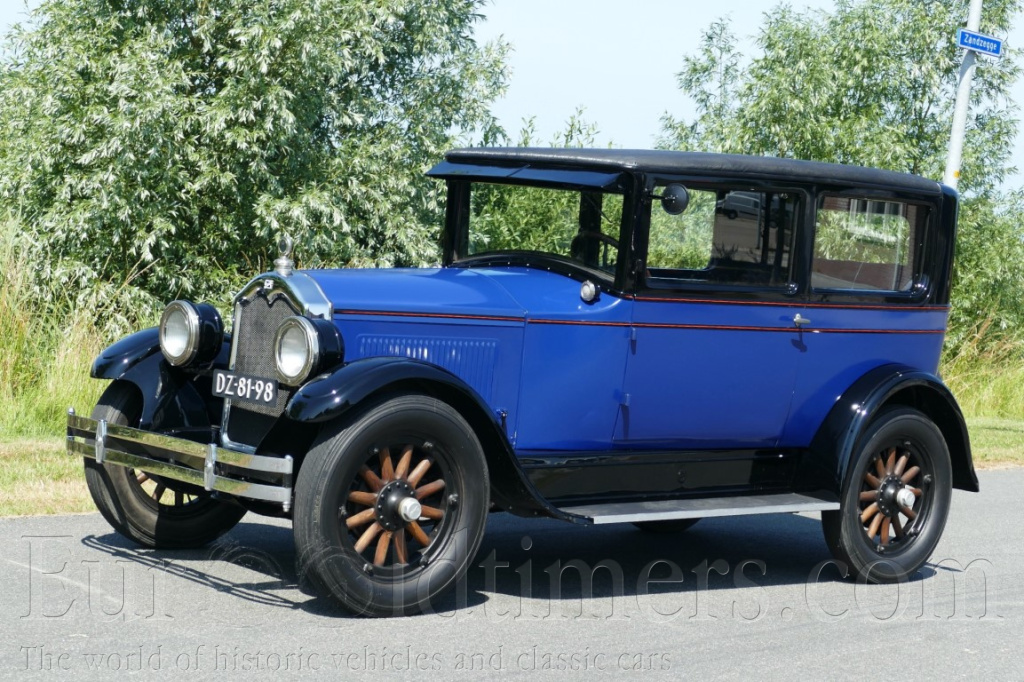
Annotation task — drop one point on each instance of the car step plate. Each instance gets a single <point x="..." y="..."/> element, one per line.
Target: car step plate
<point x="665" y="510"/>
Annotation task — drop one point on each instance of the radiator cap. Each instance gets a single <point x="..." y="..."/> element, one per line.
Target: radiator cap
<point x="283" y="264"/>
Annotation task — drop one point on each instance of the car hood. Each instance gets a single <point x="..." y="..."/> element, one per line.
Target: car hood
<point x="434" y="291"/>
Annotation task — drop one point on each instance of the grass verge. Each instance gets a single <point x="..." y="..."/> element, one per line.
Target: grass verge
<point x="37" y="477"/>
<point x="996" y="442"/>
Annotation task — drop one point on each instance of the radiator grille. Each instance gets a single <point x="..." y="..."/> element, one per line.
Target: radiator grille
<point x="256" y="321"/>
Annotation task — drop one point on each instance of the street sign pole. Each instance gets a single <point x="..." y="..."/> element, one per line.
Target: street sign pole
<point x="963" y="97"/>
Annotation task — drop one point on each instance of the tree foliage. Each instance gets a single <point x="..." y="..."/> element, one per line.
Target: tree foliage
<point x="163" y="143"/>
<point x="508" y="217"/>
<point x="873" y="83"/>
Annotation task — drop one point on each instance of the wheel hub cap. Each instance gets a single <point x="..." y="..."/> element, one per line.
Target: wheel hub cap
<point x="410" y="509"/>
<point x="888" y="498"/>
<point x="906" y="498"/>
<point x="395" y="505"/>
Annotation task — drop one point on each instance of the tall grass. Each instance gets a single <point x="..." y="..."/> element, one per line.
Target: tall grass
<point x="45" y="350"/>
<point x="986" y="374"/>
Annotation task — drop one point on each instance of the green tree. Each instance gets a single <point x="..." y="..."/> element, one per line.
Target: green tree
<point x="872" y="83"/>
<point x="164" y="143"/>
<point x="506" y="217"/>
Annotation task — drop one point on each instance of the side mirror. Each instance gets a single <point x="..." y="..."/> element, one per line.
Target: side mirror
<point x="674" y="199"/>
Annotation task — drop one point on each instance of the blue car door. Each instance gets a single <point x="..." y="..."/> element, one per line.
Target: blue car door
<point x="717" y="334"/>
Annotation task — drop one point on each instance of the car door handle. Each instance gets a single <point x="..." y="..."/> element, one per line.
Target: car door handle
<point x="799" y="320"/>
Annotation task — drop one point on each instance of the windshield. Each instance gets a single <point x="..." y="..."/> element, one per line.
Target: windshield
<point x="580" y="225"/>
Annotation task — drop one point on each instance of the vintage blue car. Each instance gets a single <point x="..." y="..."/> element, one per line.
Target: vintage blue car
<point x="647" y="337"/>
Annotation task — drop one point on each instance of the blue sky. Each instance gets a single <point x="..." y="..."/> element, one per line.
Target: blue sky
<point x="567" y="52"/>
<point x="616" y="60"/>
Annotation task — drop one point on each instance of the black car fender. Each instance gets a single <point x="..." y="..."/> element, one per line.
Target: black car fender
<point x="836" y="441"/>
<point x="330" y="396"/>
<point x="172" y="401"/>
<point x="121" y="357"/>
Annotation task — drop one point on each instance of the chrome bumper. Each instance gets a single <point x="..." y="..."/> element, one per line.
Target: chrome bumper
<point x="210" y="467"/>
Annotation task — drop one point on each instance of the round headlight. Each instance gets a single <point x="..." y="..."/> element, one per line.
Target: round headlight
<point x="296" y="350"/>
<point x="304" y="347"/>
<point x="179" y="332"/>
<point x="190" y="332"/>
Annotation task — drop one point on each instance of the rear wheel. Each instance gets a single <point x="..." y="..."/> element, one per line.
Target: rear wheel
<point x="895" y="500"/>
<point x="390" y="505"/>
<point x="152" y="511"/>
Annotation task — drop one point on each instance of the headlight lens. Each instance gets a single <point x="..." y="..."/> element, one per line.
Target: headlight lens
<point x="303" y="347"/>
<point x="190" y="332"/>
<point x="296" y="350"/>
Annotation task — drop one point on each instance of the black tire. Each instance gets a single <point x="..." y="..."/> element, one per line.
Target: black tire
<point x="352" y="542"/>
<point x="877" y="536"/>
<point x="669" y="526"/>
<point x="136" y="508"/>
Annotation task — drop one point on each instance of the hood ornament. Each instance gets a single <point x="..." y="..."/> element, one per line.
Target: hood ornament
<point x="283" y="264"/>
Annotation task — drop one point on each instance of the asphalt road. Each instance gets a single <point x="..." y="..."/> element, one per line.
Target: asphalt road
<point x="731" y="598"/>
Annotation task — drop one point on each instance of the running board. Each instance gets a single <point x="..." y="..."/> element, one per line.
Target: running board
<point x="666" y="510"/>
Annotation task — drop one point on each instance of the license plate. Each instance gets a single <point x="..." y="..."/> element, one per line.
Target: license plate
<point x="241" y="387"/>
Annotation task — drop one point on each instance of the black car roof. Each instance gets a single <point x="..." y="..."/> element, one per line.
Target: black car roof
<point x="675" y="162"/>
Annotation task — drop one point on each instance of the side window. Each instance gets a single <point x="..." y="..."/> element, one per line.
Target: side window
<point x="866" y="244"/>
<point x="737" y="237"/>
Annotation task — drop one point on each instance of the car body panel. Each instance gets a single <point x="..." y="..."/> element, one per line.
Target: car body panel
<point x="889" y="385"/>
<point x="573" y="351"/>
<point x="695" y="366"/>
<point x="611" y="380"/>
<point x="502" y="315"/>
<point x="840" y="345"/>
<point x="123" y="355"/>
<point x="437" y="293"/>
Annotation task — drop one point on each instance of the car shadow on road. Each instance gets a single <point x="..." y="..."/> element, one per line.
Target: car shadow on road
<point x="778" y="549"/>
<point x="264" y="552"/>
<point x="526" y="559"/>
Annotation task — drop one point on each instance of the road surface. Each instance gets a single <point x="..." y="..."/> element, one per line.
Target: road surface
<point x="730" y="598"/>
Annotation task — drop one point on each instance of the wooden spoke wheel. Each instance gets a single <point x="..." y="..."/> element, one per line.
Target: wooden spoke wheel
<point x="390" y="505"/>
<point x="892" y="496"/>
<point x="397" y="505"/>
<point x="162" y="494"/>
<point x="895" y="500"/>
<point x="147" y="509"/>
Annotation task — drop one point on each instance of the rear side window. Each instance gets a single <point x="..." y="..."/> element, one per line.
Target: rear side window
<point x="866" y="244"/>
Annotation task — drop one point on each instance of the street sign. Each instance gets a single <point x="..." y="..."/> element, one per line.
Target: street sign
<point x="979" y="42"/>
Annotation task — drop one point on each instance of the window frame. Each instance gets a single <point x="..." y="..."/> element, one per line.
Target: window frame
<point x="920" y="283"/>
<point x="668" y="287"/>
<point x="458" y="216"/>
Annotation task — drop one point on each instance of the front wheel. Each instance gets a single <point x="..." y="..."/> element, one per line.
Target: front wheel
<point x="390" y="505"/>
<point x="147" y="509"/>
<point x="895" y="500"/>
